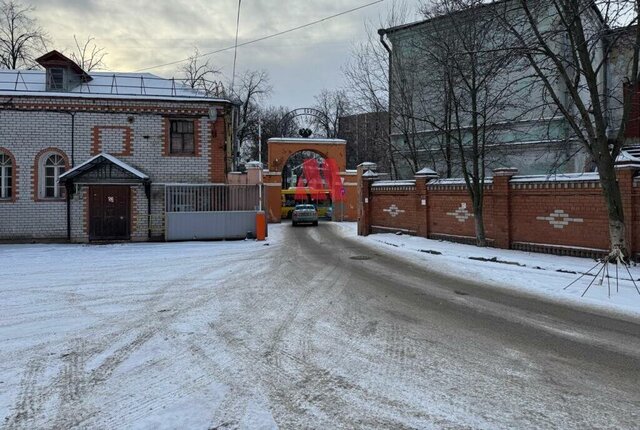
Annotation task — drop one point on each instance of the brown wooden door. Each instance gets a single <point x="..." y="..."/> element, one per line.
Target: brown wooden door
<point x="109" y="212"/>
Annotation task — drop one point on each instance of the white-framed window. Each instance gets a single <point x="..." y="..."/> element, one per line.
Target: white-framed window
<point x="6" y="176"/>
<point x="51" y="167"/>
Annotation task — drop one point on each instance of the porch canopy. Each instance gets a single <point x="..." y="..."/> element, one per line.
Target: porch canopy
<point x="104" y="169"/>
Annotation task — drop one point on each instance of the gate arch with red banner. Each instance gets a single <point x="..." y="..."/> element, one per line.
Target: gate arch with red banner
<point x="342" y="182"/>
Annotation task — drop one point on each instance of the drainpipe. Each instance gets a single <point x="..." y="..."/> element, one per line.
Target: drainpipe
<point x="147" y="190"/>
<point x="73" y="129"/>
<point x="381" y="33"/>
<point x="69" y="189"/>
<point x="69" y="186"/>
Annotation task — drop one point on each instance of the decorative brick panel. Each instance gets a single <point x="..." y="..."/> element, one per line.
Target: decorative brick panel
<point x="112" y="139"/>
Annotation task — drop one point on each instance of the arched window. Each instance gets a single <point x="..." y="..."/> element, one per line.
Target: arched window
<point x="53" y="165"/>
<point x="6" y="176"/>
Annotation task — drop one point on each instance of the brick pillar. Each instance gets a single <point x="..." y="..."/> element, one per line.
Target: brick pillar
<point x="625" y="172"/>
<point x="502" y="206"/>
<point x="422" y="212"/>
<point x="366" y="176"/>
<point x="273" y="196"/>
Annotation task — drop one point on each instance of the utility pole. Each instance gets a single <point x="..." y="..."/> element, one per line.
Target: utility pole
<point x="260" y="160"/>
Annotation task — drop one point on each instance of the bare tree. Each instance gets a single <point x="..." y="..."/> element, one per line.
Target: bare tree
<point x="271" y="126"/>
<point x="368" y="77"/>
<point x="467" y="94"/>
<point x="21" y="38"/>
<point x="333" y="104"/>
<point x="202" y="76"/>
<point x="568" y="44"/>
<point x="88" y="55"/>
<point x="254" y="88"/>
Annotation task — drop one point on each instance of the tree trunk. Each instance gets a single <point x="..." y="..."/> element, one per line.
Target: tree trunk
<point x="481" y="237"/>
<point x="615" y="210"/>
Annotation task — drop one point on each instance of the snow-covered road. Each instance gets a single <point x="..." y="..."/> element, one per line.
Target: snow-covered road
<point x="311" y="331"/>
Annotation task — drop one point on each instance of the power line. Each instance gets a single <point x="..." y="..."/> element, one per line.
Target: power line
<point x="280" y="33"/>
<point x="235" y="48"/>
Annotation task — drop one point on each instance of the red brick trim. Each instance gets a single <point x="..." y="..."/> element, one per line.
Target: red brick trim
<point x="86" y="199"/>
<point x="166" y="137"/>
<point x="196" y="137"/>
<point x="35" y="173"/>
<point x="96" y="144"/>
<point x="217" y="154"/>
<point x="14" y="177"/>
<point x="134" y="211"/>
<point x="157" y="109"/>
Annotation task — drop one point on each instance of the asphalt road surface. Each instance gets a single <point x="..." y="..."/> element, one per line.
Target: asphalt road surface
<point x="331" y="333"/>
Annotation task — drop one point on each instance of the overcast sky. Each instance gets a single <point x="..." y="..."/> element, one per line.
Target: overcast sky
<point x="142" y="33"/>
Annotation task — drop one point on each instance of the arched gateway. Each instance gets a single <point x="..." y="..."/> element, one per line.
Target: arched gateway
<point x="281" y="149"/>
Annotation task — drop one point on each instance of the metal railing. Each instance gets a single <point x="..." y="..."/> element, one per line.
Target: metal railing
<point x="103" y="83"/>
<point x="211" y="198"/>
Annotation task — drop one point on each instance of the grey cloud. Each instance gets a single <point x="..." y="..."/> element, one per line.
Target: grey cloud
<point x="141" y="33"/>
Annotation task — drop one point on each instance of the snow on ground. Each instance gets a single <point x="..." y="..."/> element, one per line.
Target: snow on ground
<point x="86" y="322"/>
<point x="542" y="275"/>
<point x="176" y="335"/>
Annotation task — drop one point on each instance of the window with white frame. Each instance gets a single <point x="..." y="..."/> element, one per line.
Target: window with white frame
<point x="6" y="176"/>
<point x="51" y="168"/>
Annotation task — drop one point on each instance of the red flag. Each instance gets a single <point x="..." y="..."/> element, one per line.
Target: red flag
<point x="301" y="194"/>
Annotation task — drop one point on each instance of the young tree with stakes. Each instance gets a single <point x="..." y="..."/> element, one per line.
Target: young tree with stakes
<point x="568" y="44"/>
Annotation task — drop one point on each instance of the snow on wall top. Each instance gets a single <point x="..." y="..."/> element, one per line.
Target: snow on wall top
<point x="103" y="85"/>
<point x="306" y="140"/>
<point x="408" y="183"/>
<point x="588" y="176"/>
<point x="456" y="181"/>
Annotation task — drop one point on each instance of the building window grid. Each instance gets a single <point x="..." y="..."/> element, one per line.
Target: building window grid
<point x="55" y="79"/>
<point x="6" y="176"/>
<point x="182" y="137"/>
<point x="54" y="166"/>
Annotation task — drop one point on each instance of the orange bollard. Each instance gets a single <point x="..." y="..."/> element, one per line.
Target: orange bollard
<point x="261" y="225"/>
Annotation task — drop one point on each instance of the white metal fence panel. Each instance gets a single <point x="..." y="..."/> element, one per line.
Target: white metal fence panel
<point x="202" y="212"/>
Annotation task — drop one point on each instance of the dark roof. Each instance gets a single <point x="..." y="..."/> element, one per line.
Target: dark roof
<point x="98" y="160"/>
<point x="55" y="58"/>
<point x="389" y="30"/>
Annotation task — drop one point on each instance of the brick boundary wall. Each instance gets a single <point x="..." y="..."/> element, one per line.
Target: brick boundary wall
<point x="564" y="214"/>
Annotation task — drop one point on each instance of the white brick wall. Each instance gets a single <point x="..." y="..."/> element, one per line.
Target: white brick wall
<point x="26" y="133"/>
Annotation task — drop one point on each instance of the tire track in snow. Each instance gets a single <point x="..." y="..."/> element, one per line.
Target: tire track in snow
<point x="30" y="398"/>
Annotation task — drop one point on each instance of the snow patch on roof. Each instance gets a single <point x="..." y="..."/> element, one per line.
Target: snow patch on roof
<point x="103" y="85"/>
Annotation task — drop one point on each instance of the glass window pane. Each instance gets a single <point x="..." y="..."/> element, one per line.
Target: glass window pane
<point x="49" y="192"/>
<point x="176" y="144"/>
<point x="188" y="145"/>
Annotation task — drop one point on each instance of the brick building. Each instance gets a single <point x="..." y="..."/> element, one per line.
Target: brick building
<point x="87" y="156"/>
<point x="367" y="136"/>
